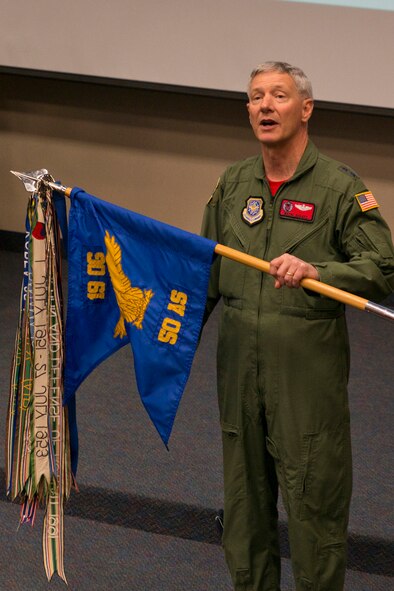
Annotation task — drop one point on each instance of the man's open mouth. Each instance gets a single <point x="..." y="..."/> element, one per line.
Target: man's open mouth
<point x="268" y="123"/>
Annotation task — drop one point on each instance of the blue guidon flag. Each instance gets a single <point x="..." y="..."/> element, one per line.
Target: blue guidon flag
<point x="134" y="280"/>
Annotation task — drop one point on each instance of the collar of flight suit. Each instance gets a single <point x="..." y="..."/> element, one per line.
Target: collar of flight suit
<point x="308" y="161"/>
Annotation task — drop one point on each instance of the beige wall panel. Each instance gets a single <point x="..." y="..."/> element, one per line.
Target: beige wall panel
<point x="157" y="153"/>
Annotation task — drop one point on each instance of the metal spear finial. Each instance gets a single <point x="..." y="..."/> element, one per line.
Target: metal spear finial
<point x="31" y="180"/>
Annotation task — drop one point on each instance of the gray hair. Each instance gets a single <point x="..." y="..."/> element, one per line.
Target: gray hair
<point x="301" y="81"/>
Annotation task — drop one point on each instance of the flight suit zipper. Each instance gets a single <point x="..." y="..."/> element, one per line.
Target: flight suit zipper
<point x="270" y="220"/>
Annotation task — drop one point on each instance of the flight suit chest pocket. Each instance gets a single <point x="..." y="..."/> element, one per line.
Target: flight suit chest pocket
<point x="308" y="242"/>
<point x="311" y="245"/>
<point x="233" y="274"/>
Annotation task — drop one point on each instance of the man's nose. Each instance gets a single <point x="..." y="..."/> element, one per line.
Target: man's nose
<point x="266" y="103"/>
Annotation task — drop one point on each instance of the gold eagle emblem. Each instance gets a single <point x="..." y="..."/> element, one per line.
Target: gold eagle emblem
<point x="132" y="301"/>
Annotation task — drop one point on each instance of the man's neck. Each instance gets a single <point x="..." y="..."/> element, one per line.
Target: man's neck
<point x="280" y="162"/>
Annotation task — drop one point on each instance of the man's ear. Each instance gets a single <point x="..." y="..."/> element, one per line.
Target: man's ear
<point x="248" y="108"/>
<point x="307" y="109"/>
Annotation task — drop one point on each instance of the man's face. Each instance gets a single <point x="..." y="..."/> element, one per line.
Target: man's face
<point x="277" y="112"/>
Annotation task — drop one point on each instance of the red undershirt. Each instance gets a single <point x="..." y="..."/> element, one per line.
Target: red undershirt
<point x="274" y="186"/>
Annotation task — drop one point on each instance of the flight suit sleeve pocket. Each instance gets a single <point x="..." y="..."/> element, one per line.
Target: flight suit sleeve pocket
<point x="370" y="237"/>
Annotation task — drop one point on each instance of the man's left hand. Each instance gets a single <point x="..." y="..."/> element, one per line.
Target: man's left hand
<point x="289" y="270"/>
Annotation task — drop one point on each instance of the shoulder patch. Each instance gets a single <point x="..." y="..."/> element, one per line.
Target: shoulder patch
<point x="348" y="171"/>
<point x="366" y="200"/>
<point x="213" y="192"/>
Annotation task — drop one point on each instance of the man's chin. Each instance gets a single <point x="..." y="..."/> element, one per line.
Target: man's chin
<point x="269" y="140"/>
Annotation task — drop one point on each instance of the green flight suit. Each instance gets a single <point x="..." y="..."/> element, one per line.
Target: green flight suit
<point x="283" y="364"/>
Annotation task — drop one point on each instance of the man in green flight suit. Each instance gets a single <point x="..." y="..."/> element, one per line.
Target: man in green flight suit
<point x="283" y="354"/>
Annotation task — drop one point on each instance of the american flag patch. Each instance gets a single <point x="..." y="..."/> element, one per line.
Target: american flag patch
<point x="366" y="200"/>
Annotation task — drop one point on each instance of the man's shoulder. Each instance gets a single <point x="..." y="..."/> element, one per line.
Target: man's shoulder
<point x="337" y="177"/>
<point x="336" y="170"/>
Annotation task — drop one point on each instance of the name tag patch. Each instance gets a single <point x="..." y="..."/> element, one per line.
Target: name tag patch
<point x="297" y="210"/>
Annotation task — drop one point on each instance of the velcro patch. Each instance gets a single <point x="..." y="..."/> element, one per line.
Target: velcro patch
<point x="348" y="171"/>
<point x="253" y="213"/>
<point x="366" y="200"/>
<point x="297" y="210"/>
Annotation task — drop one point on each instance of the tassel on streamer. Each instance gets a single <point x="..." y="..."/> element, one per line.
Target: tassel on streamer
<point x="38" y="466"/>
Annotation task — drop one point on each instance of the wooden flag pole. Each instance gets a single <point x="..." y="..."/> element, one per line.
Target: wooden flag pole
<point x="318" y="286"/>
<point x="231" y="253"/>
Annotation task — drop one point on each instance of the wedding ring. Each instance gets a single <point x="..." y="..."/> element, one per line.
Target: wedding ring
<point x="291" y="274"/>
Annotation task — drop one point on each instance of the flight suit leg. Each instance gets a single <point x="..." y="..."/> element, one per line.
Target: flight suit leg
<point x="317" y="518"/>
<point x="250" y="537"/>
<point x="309" y="440"/>
<point x="319" y="514"/>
